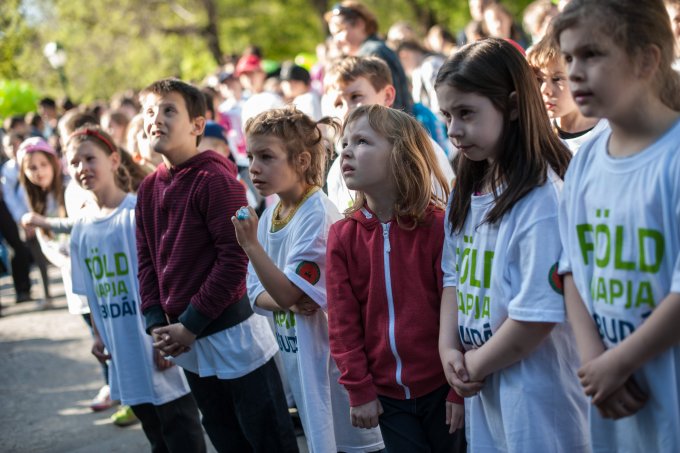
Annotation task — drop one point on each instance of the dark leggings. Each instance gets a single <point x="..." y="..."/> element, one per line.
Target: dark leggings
<point x="418" y="425"/>
<point x="173" y="427"/>
<point x="40" y="260"/>
<point x="246" y="414"/>
<point x="21" y="262"/>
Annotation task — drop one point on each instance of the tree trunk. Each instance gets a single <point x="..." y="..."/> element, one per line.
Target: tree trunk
<point x="425" y="15"/>
<point x="320" y="6"/>
<point x="211" y="30"/>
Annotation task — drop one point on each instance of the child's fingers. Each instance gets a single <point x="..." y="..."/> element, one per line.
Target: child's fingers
<point x="462" y="373"/>
<point x="635" y="391"/>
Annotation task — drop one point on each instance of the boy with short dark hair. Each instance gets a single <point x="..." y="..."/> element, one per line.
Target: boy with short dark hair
<point x="192" y="279"/>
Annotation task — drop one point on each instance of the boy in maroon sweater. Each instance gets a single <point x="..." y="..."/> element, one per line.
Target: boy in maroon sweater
<point x="192" y="279"/>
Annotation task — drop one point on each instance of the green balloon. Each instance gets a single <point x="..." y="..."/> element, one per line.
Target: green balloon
<point x="17" y="98"/>
<point x="270" y="66"/>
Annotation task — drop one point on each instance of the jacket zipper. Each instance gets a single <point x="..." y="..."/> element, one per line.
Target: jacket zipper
<point x="390" y="307"/>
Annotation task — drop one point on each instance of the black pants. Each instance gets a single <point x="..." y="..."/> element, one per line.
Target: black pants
<point x="172" y="427"/>
<point x="419" y="425"/>
<point x="246" y="414"/>
<point x="40" y="261"/>
<point x="21" y="261"/>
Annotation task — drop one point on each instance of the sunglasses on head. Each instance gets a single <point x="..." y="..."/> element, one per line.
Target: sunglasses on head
<point x="344" y="11"/>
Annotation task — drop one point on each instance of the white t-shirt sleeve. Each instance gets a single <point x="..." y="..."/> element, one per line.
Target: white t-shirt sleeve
<point x="306" y="261"/>
<point x="253" y="285"/>
<point x="449" y="252"/>
<point x="255" y="288"/>
<point x="77" y="271"/>
<point x="675" y="278"/>
<point x="564" y="264"/>
<point x="532" y="263"/>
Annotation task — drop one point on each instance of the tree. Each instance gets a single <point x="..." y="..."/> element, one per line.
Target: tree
<point x="114" y="45"/>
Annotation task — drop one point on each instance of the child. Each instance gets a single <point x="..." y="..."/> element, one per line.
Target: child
<point x="673" y="8"/>
<point x="620" y="222"/>
<point x="296" y="85"/>
<point x="104" y="263"/>
<point x="287" y="252"/>
<point x="383" y="280"/>
<point x="351" y="83"/>
<point x="572" y="127"/>
<point x="192" y="277"/>
<point x="502" y="303"/>
<point x="43" y="180"/>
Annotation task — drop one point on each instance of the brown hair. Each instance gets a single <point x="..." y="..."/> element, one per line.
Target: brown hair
<point x="544" y="53"/>
<point x="633" y="26"/>
<point x="495" y="69"/>
<point x="193" y="98"/>
<point x="129" y="174"/>
<point x="348" y="69"/>
<point x="37" y="197"/>
<point x="413" y="163"/>
<point x="351" y="11"/>
<point x="298" y="133"/>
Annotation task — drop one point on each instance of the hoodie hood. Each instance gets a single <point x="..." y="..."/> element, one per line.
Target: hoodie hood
<point x="367" y="218"/>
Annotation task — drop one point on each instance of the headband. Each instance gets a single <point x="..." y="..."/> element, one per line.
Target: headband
<point x="94" y="133"/>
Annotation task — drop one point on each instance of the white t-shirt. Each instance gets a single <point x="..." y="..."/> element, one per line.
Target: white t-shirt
<point x="508" y="270"/>
<point x="104" y="264"/>
<point x="343" y="198"/>
<point x="574" y="144"/>
<point x="620" y="226"/>
<point x="309" y="103"/>
<point x="55" y="248"/>
<point x="299" y="250"/>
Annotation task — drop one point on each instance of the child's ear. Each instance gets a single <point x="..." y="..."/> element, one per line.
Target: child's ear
<point x="648" y="60"/>
<point x="198" y="125"/>
<point x="304" y="160"/>
<point x="116" y="159"/>
<point x="513" y="106"/>
<point x="390" y="95"/>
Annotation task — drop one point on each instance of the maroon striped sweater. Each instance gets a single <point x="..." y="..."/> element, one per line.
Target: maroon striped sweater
<point x="190" y="265"/>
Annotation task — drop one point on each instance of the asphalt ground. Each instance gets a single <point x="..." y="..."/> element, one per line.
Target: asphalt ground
<point x="48" y="378"/>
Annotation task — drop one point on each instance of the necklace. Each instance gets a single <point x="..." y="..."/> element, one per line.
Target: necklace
<point x="278" y="223"/>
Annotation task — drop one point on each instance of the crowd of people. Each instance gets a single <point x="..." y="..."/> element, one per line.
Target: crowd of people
<point x="437" y="245"/>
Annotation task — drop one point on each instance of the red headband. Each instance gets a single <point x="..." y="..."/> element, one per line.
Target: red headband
<point x="94" y="133"/>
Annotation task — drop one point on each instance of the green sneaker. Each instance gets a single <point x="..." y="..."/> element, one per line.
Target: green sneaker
<point x="124" y="417"/>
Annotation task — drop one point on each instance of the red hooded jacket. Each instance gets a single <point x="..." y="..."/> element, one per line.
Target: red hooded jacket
<point x="384" y="287"/>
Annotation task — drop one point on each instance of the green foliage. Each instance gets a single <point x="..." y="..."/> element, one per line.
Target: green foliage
<point x="114" y="45"/>
<point x="16" y="98"/>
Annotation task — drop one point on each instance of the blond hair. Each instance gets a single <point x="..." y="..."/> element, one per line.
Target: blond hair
<point x="412" y="164"/>
<point x="298" y="133"/>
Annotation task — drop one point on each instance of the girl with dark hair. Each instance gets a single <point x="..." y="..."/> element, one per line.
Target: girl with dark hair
<point x="503" y="341"/>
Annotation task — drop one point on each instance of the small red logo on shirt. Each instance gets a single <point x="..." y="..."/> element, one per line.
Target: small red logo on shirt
<point x="555" y="280"/>
<point x="309" y="271"/>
